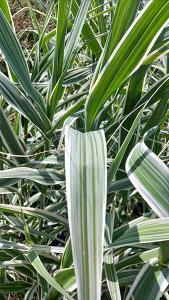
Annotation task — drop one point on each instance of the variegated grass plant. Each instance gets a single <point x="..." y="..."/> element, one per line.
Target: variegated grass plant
<point x="84" y="181"/>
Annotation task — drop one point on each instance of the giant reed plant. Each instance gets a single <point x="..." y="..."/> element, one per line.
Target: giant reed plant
<point x="93" y="85"/>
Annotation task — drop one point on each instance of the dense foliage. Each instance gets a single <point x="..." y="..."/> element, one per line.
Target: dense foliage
<point x="101" y="67"/>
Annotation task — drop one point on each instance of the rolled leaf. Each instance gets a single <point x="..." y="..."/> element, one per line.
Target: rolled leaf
<point x="85" y="155"/>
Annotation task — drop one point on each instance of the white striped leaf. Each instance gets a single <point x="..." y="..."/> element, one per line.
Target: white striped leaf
<point x="86" y="178"/>
<point x="117" y="232"/>
<point x="152" y="231"/>
<point x="110" y="270"/>
<point x="33" y="212"/>
<point x="88" y="33"/>
<point x="126" y="277"/>
<point x="7" y="245"/>
<point x="127" y="57"/>
<point x="42" y="176"/>
<point x="124" y="15"/>
<point x="138" y="258"/>
<point x="21" y="103"/>
<point x="111" y="277"/>
<point x="71" y="46"/>
<point x="11" y="140"/>
<point x="150" y="177"/>
<point x="150" y="283"/>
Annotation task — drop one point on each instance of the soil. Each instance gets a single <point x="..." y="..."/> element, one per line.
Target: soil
<point x="21" y="19"/>
<point x="23" y="22"/>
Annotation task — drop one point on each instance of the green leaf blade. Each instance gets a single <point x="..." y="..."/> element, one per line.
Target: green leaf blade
<point x="126" y="58"/>
<point x="37" y="264"/>
<point x="15" y="58"/>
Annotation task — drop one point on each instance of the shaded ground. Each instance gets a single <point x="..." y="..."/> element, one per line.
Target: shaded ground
<point x="23" y="22"/>
<point x="21" y="17"/>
